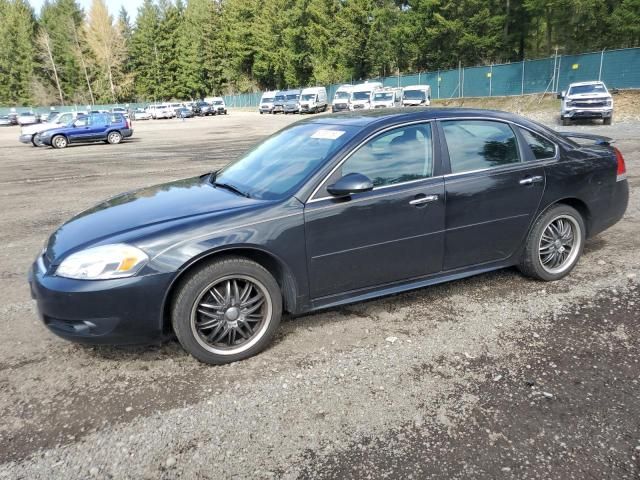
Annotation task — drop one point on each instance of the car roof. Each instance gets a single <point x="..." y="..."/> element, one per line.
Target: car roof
<point x="592" y="82"/>
<point x="399" y="115"/>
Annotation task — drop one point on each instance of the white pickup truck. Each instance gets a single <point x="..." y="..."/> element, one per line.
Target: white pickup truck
<point x="586" y="100"/>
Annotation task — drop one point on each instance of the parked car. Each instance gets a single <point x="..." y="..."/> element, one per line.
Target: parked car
<point x="161" y="111"/>
<point x="5" y="121"/>
<point x="121" y="110"/>
<point x="27" y="118"/>
<point x="184" y="112"/>
<point x="362" y="95"/>
<point x="175" y="107"/>
<point x="219" y="105"/>
<point x="266" y="102"/>
<point x="107" y="127"/>
<point x="313" y="100"/>
<point x="586" y="100"/>
<point x="387" y="98"/>
<point x="203" y="109"/>
<point x="341" y="98"/>
<point x="44" y="117"/>
<point x="141" y="114"/>
<point x="29" y="133"/>
<point x="325" y="212"/>
<point x="416" y="95"/>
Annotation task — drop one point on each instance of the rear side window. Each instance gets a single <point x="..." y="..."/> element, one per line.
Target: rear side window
<point x="479" y="144"/>
<point x="540" y="146"/>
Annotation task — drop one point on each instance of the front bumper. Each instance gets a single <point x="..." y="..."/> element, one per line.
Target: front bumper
<point x="25" y="138"/>
<point x="109" y="312"/>
<point x="339" y="107"/>
<point x="587" y="113"/>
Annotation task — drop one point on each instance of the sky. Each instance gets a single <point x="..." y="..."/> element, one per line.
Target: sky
<point x="114" y="6"/>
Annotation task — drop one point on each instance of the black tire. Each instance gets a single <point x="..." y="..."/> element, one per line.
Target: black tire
<point x="566" y="122"/>
<point x="607" y="121"/>
<point x="114" y="137"/>
<point x="196" y="288"/>
<point x="531" y="263"/>
<point x="35" y="142"/>
<point x="59" y="141"/>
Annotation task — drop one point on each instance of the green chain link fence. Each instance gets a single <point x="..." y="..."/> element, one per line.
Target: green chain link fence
<point x="617" y="68"/>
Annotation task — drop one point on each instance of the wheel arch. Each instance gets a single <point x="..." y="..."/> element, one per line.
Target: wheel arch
<point x="272" y="263"/>
<point x="574" y="202"/>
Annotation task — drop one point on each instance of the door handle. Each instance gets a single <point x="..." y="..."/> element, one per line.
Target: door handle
<point x="531" y="180"/>
<point x="423" y="200"/>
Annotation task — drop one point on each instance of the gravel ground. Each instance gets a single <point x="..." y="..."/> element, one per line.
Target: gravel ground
<point x="495" y="376"/>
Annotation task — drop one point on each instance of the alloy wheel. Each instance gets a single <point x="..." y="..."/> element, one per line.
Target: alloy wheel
<point x="559" y="244"/>
<point x="231" y="314"/>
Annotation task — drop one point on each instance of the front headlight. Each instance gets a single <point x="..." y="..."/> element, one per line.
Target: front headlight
<point x="104" y="262"/>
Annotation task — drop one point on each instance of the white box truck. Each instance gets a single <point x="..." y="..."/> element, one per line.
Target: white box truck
<point x="415" y="95"/>
<point x="313" y="100"/>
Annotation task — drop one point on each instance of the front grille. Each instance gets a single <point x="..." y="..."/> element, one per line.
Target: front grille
<point x="589" y="104"/>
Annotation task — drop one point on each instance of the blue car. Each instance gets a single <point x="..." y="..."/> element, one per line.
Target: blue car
<point x="95" y="127"/>
<point x="330" y="210"/>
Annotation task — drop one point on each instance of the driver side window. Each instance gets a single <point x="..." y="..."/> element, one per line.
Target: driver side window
<point x="399" y="155"/>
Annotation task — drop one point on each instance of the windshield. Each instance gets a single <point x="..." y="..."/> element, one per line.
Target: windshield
<point x="578" y="89"/>
<point x="293" y="97"/>
<point x="267" y="100"/>
<point x="309" y="96"/>
<point x="383" y="96"/>
<point x="280" y="98"/>
<point x="280" y="164"/>
<point x="342" y="95"/>
<point x="361" y="95"/>
<point x="218" y="102"/>
<point x="414" y="95"/>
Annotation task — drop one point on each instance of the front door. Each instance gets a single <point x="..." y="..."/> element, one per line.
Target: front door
<point x="389" y="234"/>
<point x="491" y="192"/>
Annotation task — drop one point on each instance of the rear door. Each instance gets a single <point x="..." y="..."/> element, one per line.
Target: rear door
<point x="492" y="192"/>
<point x="389" y="234"/>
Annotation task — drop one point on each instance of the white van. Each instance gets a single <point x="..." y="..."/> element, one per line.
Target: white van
<point x="266" y="102"/>
<point x="161" y="111"/>
<point x="415" y="95"/>
<point x="341" y="98"/>
<point x="313" y="100"/>
<point x="387" y="98"/>
<point x="362" y="94"/>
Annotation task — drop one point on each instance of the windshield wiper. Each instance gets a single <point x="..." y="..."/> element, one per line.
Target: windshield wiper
<point x="230" y="187"/>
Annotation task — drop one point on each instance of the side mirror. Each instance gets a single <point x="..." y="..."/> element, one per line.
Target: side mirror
<point x="562" y="95"/>
<point x="349" y="184"/>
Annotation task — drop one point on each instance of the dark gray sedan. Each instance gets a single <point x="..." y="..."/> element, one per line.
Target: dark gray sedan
<point x="328" y="211"/>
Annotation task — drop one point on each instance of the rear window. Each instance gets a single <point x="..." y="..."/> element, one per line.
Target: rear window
<point x="540" y="146"/>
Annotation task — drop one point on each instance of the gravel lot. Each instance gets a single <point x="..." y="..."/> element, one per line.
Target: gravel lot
<point x="496" y="376"/>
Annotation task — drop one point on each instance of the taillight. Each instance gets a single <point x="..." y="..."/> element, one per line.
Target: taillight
<point x="621" y="173"/>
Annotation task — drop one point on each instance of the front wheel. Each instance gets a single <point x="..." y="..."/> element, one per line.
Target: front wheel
<point x="35" y="141"/>
<point x="607" y="121"/>
<point x="227" y="311"/>
<point x="566" y="121"/>
<point x="114" y="138"/>
<point x="59" y="141"/>
<point x="554" y="244"/>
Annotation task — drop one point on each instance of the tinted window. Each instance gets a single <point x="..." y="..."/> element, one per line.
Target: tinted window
<point x="540" y="146"/>
<point x="479" y="144"/>
<point x="396" y="156"/>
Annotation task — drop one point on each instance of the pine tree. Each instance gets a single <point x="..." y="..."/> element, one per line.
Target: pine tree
<point x="144" y="57"/>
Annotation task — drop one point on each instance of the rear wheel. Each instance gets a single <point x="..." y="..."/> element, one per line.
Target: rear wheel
<point x="227" y="311"/>
<point x="554" y="244"/>
<point x="59" y="141"/>
<point x="114" y="138"/>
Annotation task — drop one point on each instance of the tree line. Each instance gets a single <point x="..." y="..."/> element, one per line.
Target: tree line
<point x="193" y="48"/>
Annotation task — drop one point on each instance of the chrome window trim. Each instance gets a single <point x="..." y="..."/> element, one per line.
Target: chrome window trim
<point x="357" y="147"/>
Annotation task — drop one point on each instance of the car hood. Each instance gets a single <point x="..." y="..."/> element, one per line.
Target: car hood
<point x="38" y="127"/>
<point x="146" y="210"/>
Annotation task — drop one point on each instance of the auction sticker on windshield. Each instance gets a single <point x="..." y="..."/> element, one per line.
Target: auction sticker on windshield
<point x="328" y="134"/>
